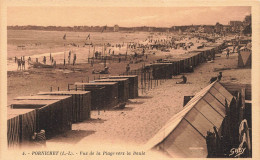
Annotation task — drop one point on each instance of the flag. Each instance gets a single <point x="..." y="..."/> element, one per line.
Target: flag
<point x="88" y="37"/>
<point x="104" y="28"/>
<point x="64" y="37"/>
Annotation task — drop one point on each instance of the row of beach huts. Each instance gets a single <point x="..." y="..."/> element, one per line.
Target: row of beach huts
<point x="55" y="112"/>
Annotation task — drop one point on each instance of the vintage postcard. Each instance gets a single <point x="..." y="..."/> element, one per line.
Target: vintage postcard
<point x="158" y="79"/>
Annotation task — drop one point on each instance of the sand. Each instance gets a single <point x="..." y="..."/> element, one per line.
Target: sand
<point x="34" y="80"/>
<point x="143" y="117"/>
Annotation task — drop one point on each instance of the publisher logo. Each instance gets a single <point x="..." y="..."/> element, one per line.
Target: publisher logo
<point x="237" y="151"/>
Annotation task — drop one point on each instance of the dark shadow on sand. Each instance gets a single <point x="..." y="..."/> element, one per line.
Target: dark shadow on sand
<point x="96" y="120"/>
<point x="131" y="102"/>
<point x="122" y="109"/>
<point x="144" y="97"/>
<point x="72" y="137"/>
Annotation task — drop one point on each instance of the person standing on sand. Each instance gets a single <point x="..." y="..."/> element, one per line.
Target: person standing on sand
<point x="127" y="68"/>
<point x="234" y="47"/>
<point x="54" y="64"/>
<point x="69" y="59"/>
<point x="105" y="62"/>
<point x="19" y="63"/>
<point x="92" y="62"/>
<point x="44" y="59"/>
<point x="227" y="56"/>
<point x="74" y="59"/>
<point x="29" y="60"/>
<point x="23" y="64"/>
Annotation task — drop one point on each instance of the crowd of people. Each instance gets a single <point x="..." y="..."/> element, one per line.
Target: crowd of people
<point x="21" y="62"/>
<point x="137" y="48"/>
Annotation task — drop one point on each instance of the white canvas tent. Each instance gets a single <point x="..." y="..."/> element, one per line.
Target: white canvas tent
<point x="184" y="134"/>
<point x="245" y="57"/>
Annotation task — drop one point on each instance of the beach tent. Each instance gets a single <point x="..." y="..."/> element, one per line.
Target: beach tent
<point x="123" y="87"/>
<point x="245" y="57"/>
<point x="81" y="103"/>
<point x="133" y="84"/>
<point x="53" y="112"/>
<point x="184" y="134"/>
<point x="103" y="95"/>
<point x="21" y="124"/>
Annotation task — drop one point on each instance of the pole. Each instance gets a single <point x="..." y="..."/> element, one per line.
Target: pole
<point x="50" y="53"/>
<point x="142" y="78"/>
<point x="88" y="52"/>
<point x="149" y="79"/>
<point x="93" y="55"/>
<point x="64" y="61"/>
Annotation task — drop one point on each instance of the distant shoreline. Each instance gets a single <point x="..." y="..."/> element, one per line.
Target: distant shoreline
<point x="93" y="28"/>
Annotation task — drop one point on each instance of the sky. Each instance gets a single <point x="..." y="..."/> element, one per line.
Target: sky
<point x="123" y="16"/>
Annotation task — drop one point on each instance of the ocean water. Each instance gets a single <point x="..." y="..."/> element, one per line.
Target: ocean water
<point x="52" y="39"/>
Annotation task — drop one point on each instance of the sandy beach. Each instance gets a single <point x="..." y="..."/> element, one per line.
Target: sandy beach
<point x="33" y="80"/>
<point x="192" y="63"/>
<point x="142" y="117"/>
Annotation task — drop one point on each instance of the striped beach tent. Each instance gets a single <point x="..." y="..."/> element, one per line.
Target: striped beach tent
<point x="184" y="135"/>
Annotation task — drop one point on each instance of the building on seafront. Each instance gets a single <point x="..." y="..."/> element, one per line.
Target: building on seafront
<point x="233" y="26"/>
<point x="116" y="28"/>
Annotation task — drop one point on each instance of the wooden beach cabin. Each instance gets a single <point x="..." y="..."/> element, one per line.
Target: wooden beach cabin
<point x="133" y="84"/>
<point x="103" y="95"/>
<point x="81" y="103"/>
<point x="123" y="87"/>
<point x="21" y="124"/>
<point x="206" y="52"/>
<point x="162" y="70"/>
<point x="175" y="65"/>
<point x="53" y="112"/>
